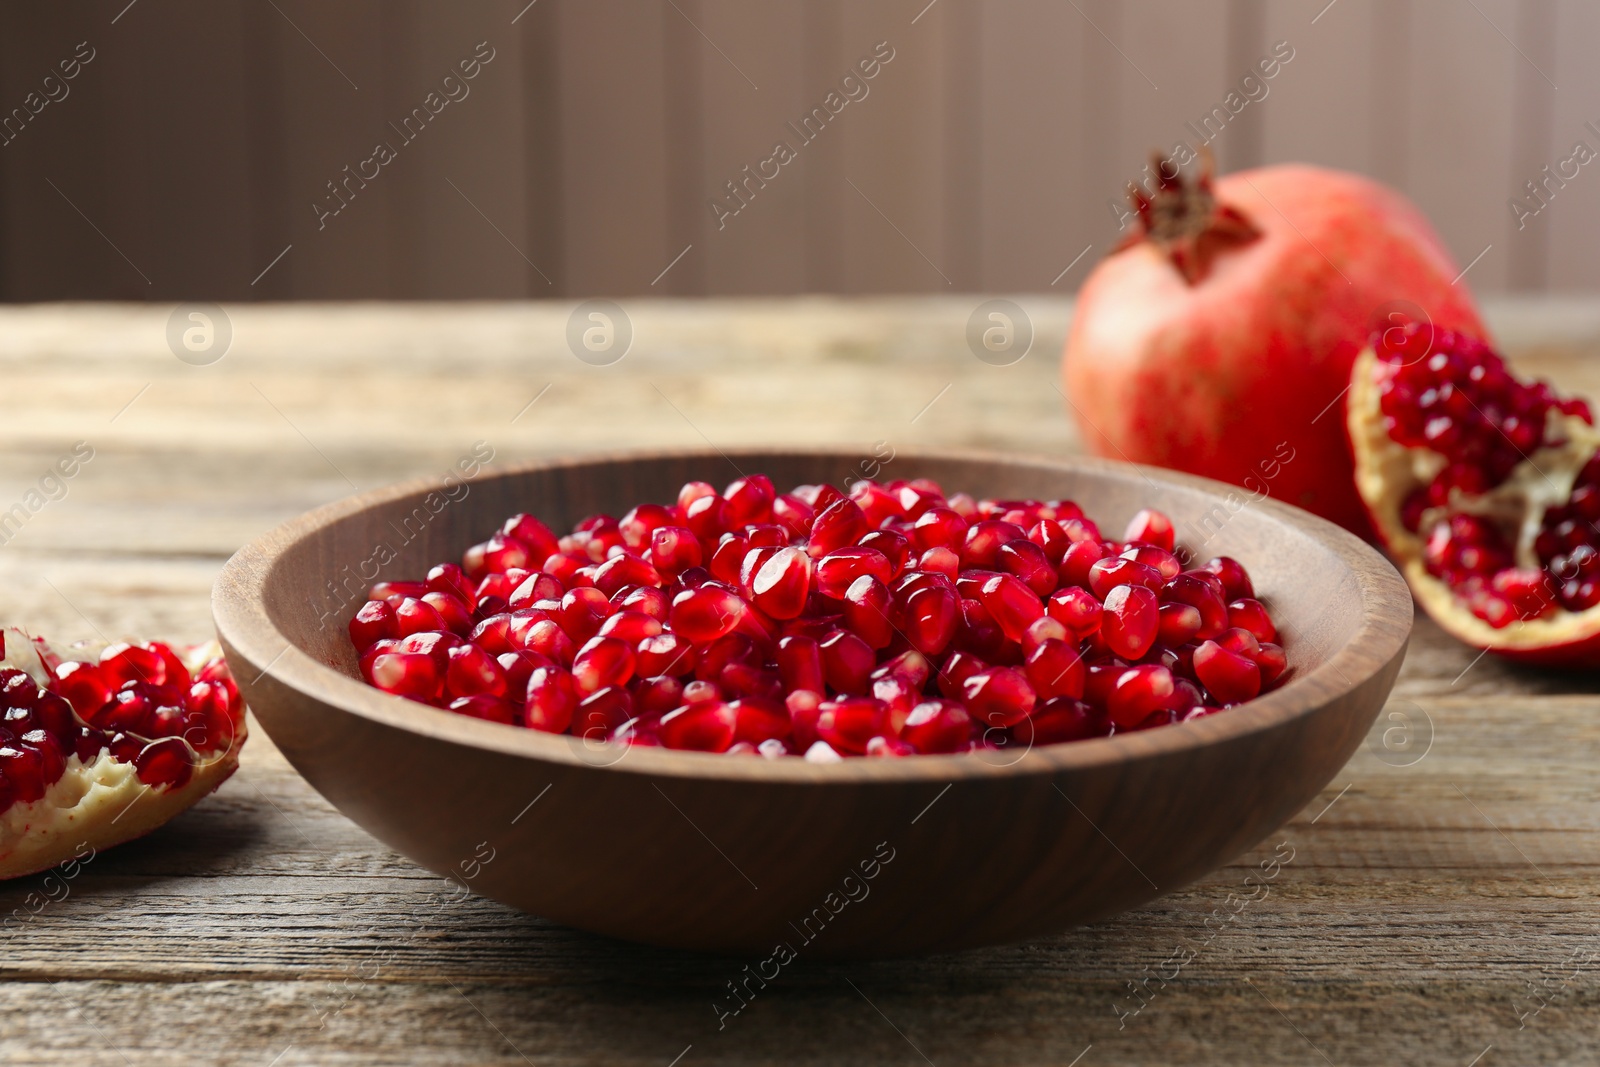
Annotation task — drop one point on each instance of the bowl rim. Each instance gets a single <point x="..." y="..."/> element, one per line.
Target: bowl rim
<point x="246" y="629"/>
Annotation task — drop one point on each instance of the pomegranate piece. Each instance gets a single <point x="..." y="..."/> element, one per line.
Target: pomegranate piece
<point x="142" y="722"/>
<point x="1494" y="546"/>
<point x="889" y="622"/>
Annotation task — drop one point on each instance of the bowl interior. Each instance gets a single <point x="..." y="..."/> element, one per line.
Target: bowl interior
<point x="1317" y="580"/>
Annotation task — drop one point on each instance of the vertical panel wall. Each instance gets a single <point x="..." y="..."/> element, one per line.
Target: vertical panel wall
<point x="204" y="144"/>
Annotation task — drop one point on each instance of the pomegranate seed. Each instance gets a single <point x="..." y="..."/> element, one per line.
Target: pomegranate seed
<point x="978" y="633"/>
<point x="782" y="583"/>
<point x="1228" y="676"/>
<point x="1077" y="562"/>
<point x="127" y="663"/>
<point x="601" y="663"/>
<point x="1190" y="589"/>
<point x="418" y="616"/>
<point x="637" y="526"/>
<point x="486" y="707"/>
<point x="1130" y="621"/>
<point x="847" y="725"/>
<point x="847" y="662"/>
<point x="1027" y="561"/>
<point x="453" y="612"/>
<point x="374" y="621"/>
<point x="1137" y="693"/>
<point x="1240" y="641"/>
<point x="757" y="721"/>
<point x="707" y="518"/>
<point x="449" y="578"/>
<point x="471" y="672"/>
<point x="1272" y="663"/>
<point x="1179" y="624"/>
<point x="1113" y="571"/>
<point x="876" y="503"/>
<point x="1052" y="539"/>
<point x="1044" y="629"/>
<point x="1077" y="609"/>
<point x="930" y="618"/>
<point x="654" y="697"/>
<point x="1055" y="669"/>
<point x="998" y="696"/>
<point x="621" y="571"/>
<point x="708" y="726"/>
<point x="702" y="615"/>
<point x="551" y="700"/>
<point x="1235" y="581"/>
<point x="866" y="611"/>
<point x="407" y="674"/>
<point x="530" y="531"/>
<point x="793" y="514"/>
<point x="167" y="762"/>
<point x="841" y="525"/>
<point x="1164" y="562"/>
<point x="1248" y="614"/>
<point x="982" y="544"/>
<point x="582" y="611"/>
<point x="602" y="713"/>
<point x="518" y="666"/>
<point x="548" y="639"/>
<point x="942" y="560"/>
<point x="85" y="686"/>
<point x="939" y="527"/>
<point x="674" y="549"/>
<point x="822" y="752"/>
<point x="937" y="726"/>
<point x="838" y="570"/>
<point x="630" y="626"/>
<point x="800" y="663"/>
<point x="394" y="592"/>
<point x="750" y="500"/>
<point x="1151" y="527"/>
<point x="497" y="555"/>
<point x="1061" y="719"/>
<point x="1011" y="604"/>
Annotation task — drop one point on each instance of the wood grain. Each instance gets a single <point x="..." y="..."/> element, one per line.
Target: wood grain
<point x="1406" y="929"/>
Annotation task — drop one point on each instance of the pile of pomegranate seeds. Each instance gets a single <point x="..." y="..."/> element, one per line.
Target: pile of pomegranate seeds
<point x="892" y="621"/>
<point x="1453" y="395"/>
<point x="138" y="703"/>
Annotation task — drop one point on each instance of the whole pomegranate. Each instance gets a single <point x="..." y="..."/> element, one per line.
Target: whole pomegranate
<point x="1218" y="338"/>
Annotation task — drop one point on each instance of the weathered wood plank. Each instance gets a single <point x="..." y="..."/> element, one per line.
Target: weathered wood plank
<point x="1420" y="903"/>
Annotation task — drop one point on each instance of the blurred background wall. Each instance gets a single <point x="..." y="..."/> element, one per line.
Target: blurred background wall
<point x="200" y="148"/>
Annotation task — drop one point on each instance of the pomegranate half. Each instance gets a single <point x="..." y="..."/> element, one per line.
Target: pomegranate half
<point x="1485" y="489"/>
<point x="100" y="746"/>
<point x="1218" y="338"/>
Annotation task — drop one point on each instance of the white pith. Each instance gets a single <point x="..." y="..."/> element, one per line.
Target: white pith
<point x="1387" y="472"/>
<point x="101" y="803"/>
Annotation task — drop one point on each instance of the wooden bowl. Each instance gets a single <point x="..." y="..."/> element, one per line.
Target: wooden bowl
<point x="863" y="858"/>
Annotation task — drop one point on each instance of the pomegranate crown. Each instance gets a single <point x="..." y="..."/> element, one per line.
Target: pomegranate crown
<point x="1184" y="219"/>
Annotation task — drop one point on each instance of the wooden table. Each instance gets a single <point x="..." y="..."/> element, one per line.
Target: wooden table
<point x="1443" y="885"/>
